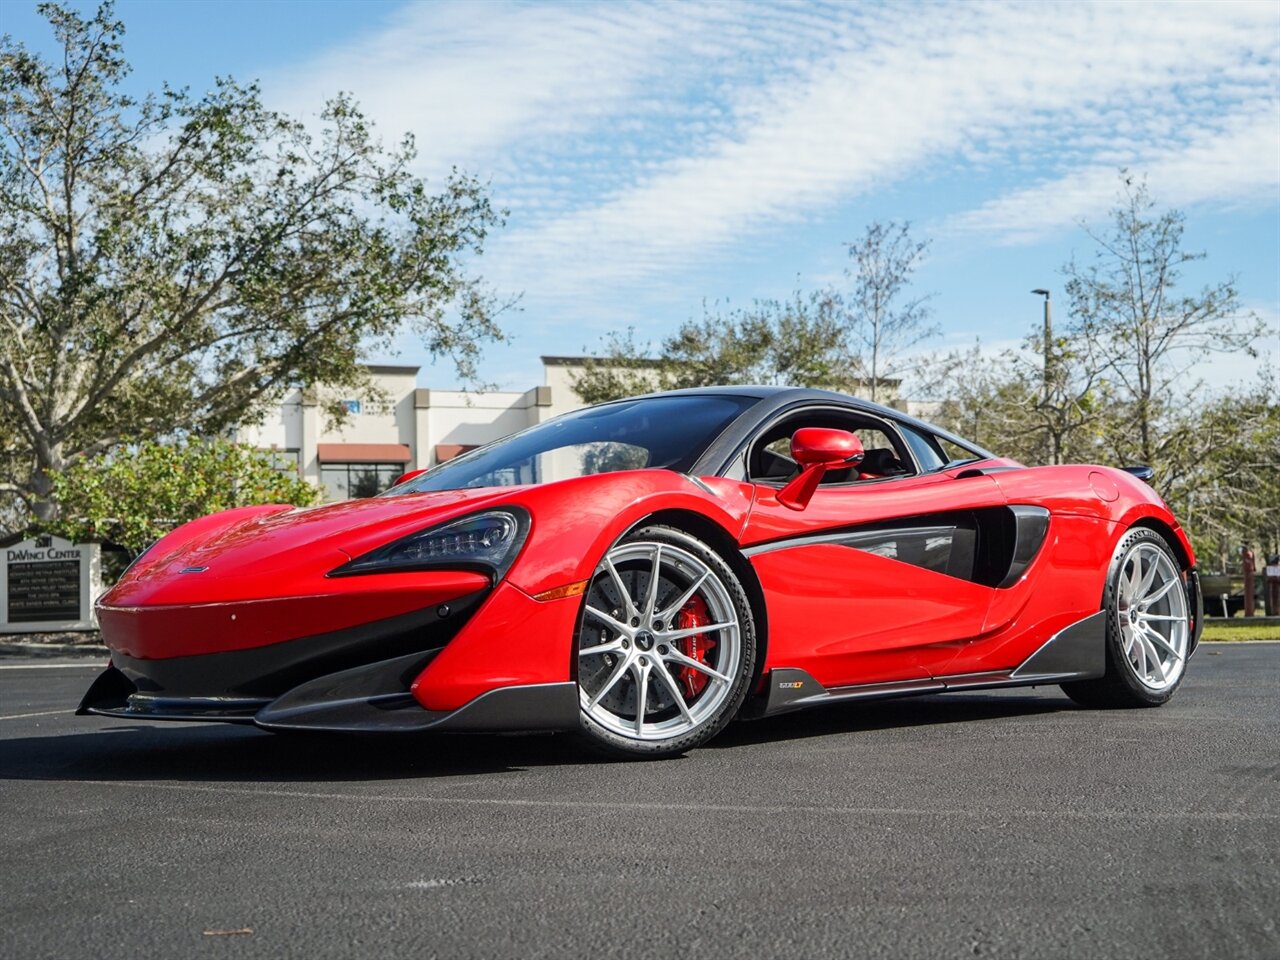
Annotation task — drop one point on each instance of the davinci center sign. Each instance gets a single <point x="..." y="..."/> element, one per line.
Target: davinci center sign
<point x="48" y="584"/>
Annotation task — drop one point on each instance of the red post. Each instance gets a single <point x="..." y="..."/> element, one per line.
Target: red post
<point x="1247" y="562"/>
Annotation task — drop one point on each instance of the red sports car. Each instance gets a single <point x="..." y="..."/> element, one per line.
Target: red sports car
<point x="643" y="572"/>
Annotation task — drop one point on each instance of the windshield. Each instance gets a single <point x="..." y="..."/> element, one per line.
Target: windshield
<point x="668" y="433"/>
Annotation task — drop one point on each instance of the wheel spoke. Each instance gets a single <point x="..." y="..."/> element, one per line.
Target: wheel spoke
<point x="1145" y="583"/>
<point x="674" y="608"/>
<point x="1155" y="635"/>
<point x="694" y="631"/>
<point x="609" y="684"/>
<point x="654" y="579"/>
<point x="673" y="688"/>
<point x="686" y="661"/>
<point x="1158" y="616"/>
<point x="607" y="620"/>
<point x="1153" y="658"/>
<point x="642" y="697"/>
<point x="610" y="647"/>
<point x="1129" y="584"/>
<point x="1152" y="598"/>
<point x="1140" y="661"/>
<point x="621" y="588"/>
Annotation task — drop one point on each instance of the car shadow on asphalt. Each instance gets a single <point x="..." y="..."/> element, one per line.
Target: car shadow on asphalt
<point x="233" y="754"/>
<point x="838" y="719"/>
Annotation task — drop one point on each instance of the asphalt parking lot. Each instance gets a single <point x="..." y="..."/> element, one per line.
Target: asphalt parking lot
<point x="1007" y="824"/>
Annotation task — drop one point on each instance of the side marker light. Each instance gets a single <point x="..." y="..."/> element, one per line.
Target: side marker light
<point x="559" y="593"/>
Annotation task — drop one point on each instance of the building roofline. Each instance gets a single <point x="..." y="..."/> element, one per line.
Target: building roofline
<point x="391" y="368"/>
<point x="548" y="361"/>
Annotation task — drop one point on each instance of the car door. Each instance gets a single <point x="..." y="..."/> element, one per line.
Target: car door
<point x="875" y="579"/>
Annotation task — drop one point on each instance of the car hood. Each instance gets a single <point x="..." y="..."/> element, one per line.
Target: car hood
<point x="251" y="542"/>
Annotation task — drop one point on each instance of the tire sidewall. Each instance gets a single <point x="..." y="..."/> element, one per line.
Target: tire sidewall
<point x="614" y="744"/>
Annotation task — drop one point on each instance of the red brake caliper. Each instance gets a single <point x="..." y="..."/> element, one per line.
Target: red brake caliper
<point x="694" y="614"/>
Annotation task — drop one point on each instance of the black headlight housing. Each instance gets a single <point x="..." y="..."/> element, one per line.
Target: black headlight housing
<point x="487" y="541"/>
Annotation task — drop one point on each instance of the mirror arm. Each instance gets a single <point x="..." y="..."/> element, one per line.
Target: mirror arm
<point x="800" y="489"/>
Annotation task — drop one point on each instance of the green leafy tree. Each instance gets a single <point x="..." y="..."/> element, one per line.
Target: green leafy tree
<point x="801" y="341"/>
<point x="135" y="493"/>
<point x="170" y="264"/>
<point x="1223" y="478"/>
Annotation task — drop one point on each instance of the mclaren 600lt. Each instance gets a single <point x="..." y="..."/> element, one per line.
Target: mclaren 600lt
<point x="644" y="571"/>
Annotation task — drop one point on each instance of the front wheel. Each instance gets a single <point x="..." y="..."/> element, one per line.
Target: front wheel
<point x="1148" y="626"/>
<point x="666" y="647"/>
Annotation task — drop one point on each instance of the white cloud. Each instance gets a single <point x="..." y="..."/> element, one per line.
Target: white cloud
<point x="1236" y="161"/>
<point x="636" y="143"/>
<point x="890" y="98"/>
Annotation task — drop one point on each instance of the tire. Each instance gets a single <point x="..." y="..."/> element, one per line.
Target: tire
<point x="1148" y="640"/>
<point x="637" y="638"/>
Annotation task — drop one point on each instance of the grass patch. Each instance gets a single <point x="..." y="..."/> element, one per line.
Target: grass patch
<point x="1245" y="631"/>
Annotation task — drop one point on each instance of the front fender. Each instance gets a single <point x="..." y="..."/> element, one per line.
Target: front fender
<point x="575" y="522"/>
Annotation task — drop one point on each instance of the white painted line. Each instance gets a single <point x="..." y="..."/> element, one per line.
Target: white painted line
<point x="52" y="666"/>
<point x="46" y="713"/>
<point x="982" y="813"/>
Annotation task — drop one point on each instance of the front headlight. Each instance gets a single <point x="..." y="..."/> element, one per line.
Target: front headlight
<point x="486" y="541"/>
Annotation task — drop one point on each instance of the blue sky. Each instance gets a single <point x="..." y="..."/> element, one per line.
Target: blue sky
<point x="656" y="155"/>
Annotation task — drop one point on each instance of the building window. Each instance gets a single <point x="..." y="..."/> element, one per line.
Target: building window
<point x="286" y="460"/>
<point x="350" y="481"/>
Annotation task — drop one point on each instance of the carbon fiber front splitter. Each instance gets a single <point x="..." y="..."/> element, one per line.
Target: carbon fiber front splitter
<point x="367" y="699"/>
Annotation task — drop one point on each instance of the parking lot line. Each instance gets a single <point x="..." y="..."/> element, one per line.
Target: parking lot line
<point x="45" y="713"/>
<point x="769" y="809"/>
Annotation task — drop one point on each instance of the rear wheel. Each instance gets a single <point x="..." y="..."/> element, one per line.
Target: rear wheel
<point x="1148" y="626"/>
<point x="666" y="648"/>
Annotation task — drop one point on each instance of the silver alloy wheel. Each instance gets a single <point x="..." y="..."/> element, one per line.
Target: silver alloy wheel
<point x="630" y="654"/>
<point x="1152" y="613"/>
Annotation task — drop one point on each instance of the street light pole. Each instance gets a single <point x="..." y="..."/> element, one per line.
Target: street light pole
<point x="1048" y="337"/>
<point x="1048" y="361"/>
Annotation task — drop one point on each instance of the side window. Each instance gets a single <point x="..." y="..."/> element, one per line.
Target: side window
<point x="925" y="446"/>
<point x="769" y="458"/>
<point x="934" y="452"/>
<point x="956" y="453"/>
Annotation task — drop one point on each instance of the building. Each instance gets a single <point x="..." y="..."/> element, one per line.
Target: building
<point x="407" y="427"/>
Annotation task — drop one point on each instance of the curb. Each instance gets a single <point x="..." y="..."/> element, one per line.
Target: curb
<point x="84" y="651"/>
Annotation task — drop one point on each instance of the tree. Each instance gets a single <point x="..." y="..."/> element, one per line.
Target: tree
<point x="882" y="325"/>
<point x="173" y="263"/>
<point x="1061" y="396"/>
<point x="1125" y="309"/>
<point x="1004" y="402"/>
<point x="800" y="341"/>
<point x="1224" y="474"/>
<point x="134" y="494"/>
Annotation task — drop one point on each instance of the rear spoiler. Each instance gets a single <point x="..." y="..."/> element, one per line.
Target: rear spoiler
<point x="1141" y="471"/>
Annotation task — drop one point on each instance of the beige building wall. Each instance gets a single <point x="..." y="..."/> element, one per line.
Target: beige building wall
<point x="409" y="427"/>
<point x="405" y="428"/>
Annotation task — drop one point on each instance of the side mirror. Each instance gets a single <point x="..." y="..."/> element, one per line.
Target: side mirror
<point x="817" y="450"/>
<point x="405" y="477"/>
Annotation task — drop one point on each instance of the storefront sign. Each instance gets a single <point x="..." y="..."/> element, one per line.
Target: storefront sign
<point x="48" y="584"/>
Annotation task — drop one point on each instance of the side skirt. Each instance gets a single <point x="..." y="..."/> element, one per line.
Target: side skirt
<point x="1076" y="652"/>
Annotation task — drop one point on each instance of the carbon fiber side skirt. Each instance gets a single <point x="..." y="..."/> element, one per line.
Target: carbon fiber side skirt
<point x="1076" y="652"/>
